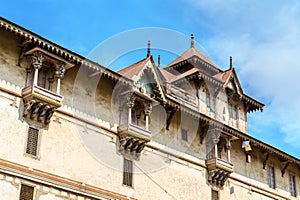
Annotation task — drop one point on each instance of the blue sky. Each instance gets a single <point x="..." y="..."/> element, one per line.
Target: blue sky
<point x="262" y="36"/>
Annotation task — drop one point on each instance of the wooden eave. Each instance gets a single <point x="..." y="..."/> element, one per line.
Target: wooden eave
<point x="236" y="133"/>
<point x="60" y="51"/>
<point x="254" y="104"/>
<point x="193" y="59"/>
<point x="156" y="76"/>
<point x="198" y="75"/>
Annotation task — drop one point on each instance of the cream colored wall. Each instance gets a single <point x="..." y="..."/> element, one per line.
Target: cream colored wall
<point x="9" y="53"/>
<point x="10" y="187"/>
<point x="69" y="150"/>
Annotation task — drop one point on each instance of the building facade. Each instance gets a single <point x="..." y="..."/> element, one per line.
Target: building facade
<point x="72" y="129"/>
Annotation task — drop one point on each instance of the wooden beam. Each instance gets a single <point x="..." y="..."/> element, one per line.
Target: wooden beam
<point x="94" y="74"/>
<point x="284" y="168"/>
<point x="202" y="129"/>
<point x="265" y="161"/>
<point x="171" y="115"/>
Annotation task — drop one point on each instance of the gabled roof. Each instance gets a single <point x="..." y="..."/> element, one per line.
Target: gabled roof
<point x="192" y="52"/>
<point x="167" y="76"/>
<point x="185" y="74"/>
<point x="223" y="76"/>
<point x="136" y="71"/>
<point x="227" y="76"/>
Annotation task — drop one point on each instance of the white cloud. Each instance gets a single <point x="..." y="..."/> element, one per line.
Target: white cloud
<point x="264" y="39"/>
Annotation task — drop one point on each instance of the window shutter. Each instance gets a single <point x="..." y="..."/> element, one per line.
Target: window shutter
<point x="271" y="177"/>
<point x="293" y="185"/>
<point x="26" y="192"/>
<point x="127" y="172"/>
<point x="214" y="195"/>
<point x="184" y="135"/>
<point x="32" y="141"/>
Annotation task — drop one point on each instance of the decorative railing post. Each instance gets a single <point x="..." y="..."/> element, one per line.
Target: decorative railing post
<point x="228" y="150"/>
<point x="37" y="61"/>
<point x="130" y="104"/>
<point x="147" y="113"/>
<point x="60" y="74"/>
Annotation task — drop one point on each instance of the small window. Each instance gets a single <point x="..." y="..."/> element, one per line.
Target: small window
<point x="207" y="99"/>
<point x="214" y="195"/>
<point x="271" y="177"/>
<point x="32" y="141"/>
<point x="127" y="172"/>
<point x="184" y="135"/>
<point x="293" y="185"/>
<point x="26" y="192"/>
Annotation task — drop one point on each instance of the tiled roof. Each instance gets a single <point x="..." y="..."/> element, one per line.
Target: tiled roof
<point x="167" y="75"/>
<point x="185" y="74"/>
<point x="133" y="69"/>
<point x="223" y="76"/>
<point x="190" y="53"/>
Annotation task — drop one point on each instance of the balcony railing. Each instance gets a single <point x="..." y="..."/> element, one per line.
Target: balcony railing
<point x="218" y="170"/>
<point x="36" y="92"/>
<point x="40" y="104"/>
<point x="135" y="131"/>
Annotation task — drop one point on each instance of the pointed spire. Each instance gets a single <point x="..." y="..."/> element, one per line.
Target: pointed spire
<point x="148" y="51"/>
<point x="158" y="60"/>
<point x="192" y="40"/>
<point x="230" y="66"/>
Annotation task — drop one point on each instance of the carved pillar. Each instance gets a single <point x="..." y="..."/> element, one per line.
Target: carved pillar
<point x="228" y="150"/>
<point x="130" y="104"/>
<point x="28" y="77"/>
<point x="37" y="61"/>
<point x="147" y="113"/>
<point x="213" y="137"/>
<point x="60" y="74"/>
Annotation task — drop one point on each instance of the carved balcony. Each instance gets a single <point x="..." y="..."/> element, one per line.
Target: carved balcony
<point x="218" y="170"/>
<point x="133" y="129"/>
<point x="40" y="103"/>
<point x="133" y="138"/>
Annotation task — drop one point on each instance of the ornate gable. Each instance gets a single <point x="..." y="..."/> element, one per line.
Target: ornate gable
<point x="146" y="76"/>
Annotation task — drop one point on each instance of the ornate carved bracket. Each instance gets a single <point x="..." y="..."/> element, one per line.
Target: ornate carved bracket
<point x="130" y="101"/>
<point x="266" y="159"/>
<point x="39" y="111"/>
<point x="40" y="104"/>
<point x="169" y="119"/>
<point x="131" y="146"/>
<point x="218" y="176"/>
<point x="148" y="109"/>
<point x="202" y="130"/>
<point x="37" y="60"/>
<point x="60" y="71"/>
<point x="285" y="166"/>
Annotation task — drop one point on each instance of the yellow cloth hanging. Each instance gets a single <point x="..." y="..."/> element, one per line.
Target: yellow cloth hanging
<point x="248" y="148"/>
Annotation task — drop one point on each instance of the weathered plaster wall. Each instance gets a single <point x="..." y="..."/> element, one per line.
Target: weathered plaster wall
<point x="9" y="53"/>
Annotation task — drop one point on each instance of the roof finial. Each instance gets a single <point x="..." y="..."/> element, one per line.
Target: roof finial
<point x="230" y="62"/>
<point x="158" y="60"/>
<point x="192" y="40"/>
<point x="148" y="51"/>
